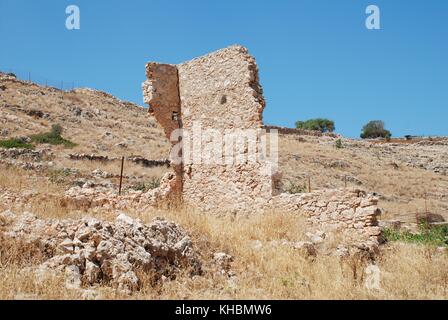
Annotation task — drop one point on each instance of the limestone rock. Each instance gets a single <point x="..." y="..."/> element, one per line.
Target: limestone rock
<point x="91" y="251"/>
<point x="223" y="261"/>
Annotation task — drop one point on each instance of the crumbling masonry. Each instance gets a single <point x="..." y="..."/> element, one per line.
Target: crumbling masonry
<point x="221" y="91"/>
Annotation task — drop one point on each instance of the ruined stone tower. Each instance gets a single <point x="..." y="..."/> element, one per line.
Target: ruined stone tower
<point x="220" y="93"/>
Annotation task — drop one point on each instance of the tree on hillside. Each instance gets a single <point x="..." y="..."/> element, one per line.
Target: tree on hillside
<point x="319" y="124"/>
<point x="375" y="129"/>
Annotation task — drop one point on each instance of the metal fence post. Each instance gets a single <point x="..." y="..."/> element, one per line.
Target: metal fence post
<point x="121" y="176"/>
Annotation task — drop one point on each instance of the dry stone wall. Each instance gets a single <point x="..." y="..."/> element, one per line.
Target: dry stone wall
<point x="350" y="213"/>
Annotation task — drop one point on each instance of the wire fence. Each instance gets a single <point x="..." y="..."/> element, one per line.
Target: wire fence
<point x="30" y="76"/>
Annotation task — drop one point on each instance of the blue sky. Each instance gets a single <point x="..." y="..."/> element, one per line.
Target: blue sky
<point x="316" y="57"/>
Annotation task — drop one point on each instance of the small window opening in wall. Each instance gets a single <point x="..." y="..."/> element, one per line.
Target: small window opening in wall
<point x="175" y="116"/>
<point x="223" y="99"/>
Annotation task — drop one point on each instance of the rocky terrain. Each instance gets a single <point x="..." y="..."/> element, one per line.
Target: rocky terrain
<point x="96" y="121"/>
<point x="91" y="251"/>
<point x="408" y="176"/>
<point x="60" y="210"/>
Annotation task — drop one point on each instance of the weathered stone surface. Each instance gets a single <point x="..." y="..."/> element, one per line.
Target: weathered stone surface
<point x="351" y="213"/>
<point x="161" y="92"/>
<point x="224" y="262"/>
<point x="390" y="224"/>
<point x="219" y="91"/>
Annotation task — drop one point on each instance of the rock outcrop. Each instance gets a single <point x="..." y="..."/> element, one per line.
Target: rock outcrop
<point x="92" y="251"/>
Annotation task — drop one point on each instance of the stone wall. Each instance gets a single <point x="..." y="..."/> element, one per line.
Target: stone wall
<point x="161" y="92"/>
<point x="300" y="132"/>
<point x="221" y="92"/>
<point x="350" y="213"/>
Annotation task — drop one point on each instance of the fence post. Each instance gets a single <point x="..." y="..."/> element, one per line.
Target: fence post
<point x="309" y="184"/>
<point x="121" y="176"/>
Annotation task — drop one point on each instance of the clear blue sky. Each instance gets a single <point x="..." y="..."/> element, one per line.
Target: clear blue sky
<point x="316" y="57"/>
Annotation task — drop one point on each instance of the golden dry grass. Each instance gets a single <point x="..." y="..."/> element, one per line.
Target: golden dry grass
<point x="272" y="272"/>
<point x="104" y="121"/>
<point x="130" y="169"/>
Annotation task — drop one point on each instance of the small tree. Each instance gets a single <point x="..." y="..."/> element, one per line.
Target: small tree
<point x="56" y="130"/>
<point x="338" y="144"/>
<point x="319" y="124"/>
<point x="375" y="129"/>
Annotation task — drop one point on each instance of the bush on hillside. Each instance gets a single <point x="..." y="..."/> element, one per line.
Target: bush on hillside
<point x="319" y="124"/>
<point x="338" y="144"/>
<point x="375" y="129"/>
<point x="15" y="143"/>
<point x="53" y="137"/>
<point x="427" y="235"/>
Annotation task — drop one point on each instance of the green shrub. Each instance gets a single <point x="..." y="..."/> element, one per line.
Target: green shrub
<point x="428" y="235"/>
<point x="56" y="129"/>
<point x="53" y="137"/>
<point x="375" y="129"/>
<point x="15" y="143"/>
<point x="147" y="185"/>
<point x="319" y="124"/>
<point x="338" y="144"/>
<point x="294" y="188"/>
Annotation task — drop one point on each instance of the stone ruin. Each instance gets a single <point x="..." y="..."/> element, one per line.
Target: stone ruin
<point x="221" y="91"/>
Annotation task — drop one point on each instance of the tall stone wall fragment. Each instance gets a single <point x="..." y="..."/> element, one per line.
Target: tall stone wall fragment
<point x="221" y="92"/>
<point x="161" y="93"/>
<point x="216" y="100"/>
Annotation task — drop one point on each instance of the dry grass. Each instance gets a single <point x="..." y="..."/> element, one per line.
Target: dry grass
<point x="18" y="180"/>
<point x="100" y="114"/>
<point x="130" y="169"/>
<point x="272" y="272"/>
